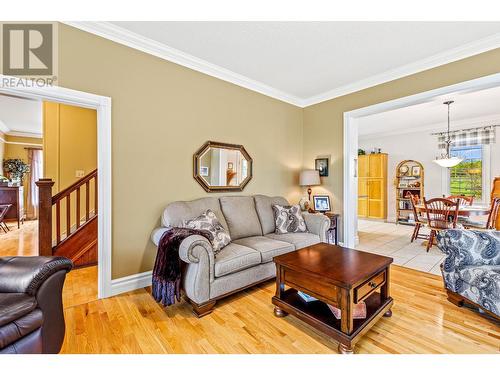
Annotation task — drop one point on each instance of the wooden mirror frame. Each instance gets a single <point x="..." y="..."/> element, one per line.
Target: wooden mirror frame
<point x="214" y="189"/>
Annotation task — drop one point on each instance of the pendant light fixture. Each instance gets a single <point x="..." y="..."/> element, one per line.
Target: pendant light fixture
<point x="446" y="160"/>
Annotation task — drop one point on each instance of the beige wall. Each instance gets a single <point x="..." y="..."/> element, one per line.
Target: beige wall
<point x="161" y="114"/>
<point x="323" y="122"/>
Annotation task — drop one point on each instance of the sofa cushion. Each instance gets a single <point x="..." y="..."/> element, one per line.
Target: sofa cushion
<point x="21" y="327"/>
<point x="241" y="216"/>
<point x="264" y="208"/>
<point x="235" y="258"/>
<point x="288" y="219"/>
<point x="177" y="212"/>
<point x="209" y="222"/>
<point x="267" y="247"/>
<point x="15" y="305"/>
<point x="299" y="240"/>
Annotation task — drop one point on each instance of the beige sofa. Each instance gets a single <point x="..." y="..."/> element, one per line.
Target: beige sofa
<point x="247" y="260"/>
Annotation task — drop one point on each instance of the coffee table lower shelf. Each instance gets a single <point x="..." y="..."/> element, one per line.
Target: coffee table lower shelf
<point x="318" y="315"/>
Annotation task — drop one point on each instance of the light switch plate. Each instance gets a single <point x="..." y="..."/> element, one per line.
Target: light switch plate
<point x="79" y="173"/>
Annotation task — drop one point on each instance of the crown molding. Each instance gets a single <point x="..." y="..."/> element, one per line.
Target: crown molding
<point x="133" y="40"/>
<point x="130" y="39"/>
<point x="24" y="134"/>
<point x="437" y="127"/>
<point x="454" y="54"/>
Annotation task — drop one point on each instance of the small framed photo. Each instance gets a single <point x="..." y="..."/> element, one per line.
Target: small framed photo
<point x="204" y="171"/>
<point x="415" y="171"/>
<point x="321" y="203"/>
<point x="403" y="185"/>
<point x="321" y="165"/>
<point x="230" y="165"/>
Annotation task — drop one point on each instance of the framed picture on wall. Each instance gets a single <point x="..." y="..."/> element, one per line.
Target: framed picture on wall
<point x="415" y="171"/>
<point x="321" y="165"/>
<point x="321" y="203"/>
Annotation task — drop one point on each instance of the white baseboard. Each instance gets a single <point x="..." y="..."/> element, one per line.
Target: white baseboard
<point x="129" y="283"/>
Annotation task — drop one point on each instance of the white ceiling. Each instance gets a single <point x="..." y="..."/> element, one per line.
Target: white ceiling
<point x="19" y="115"/>
<point x="469" y="109"/>
<point x="305" y="62"/>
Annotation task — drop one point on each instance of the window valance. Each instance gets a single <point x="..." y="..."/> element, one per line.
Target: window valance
<point x="468" y="137"/>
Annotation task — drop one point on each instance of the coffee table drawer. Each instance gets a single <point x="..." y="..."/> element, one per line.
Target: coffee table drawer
<point x="309" y="284"/>
<point x="367" y="288"/>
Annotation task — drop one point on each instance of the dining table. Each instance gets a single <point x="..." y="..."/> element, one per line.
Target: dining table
<point x="464" y="210"/>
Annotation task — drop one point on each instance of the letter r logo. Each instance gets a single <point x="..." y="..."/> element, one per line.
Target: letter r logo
<point x="27" y="49"/>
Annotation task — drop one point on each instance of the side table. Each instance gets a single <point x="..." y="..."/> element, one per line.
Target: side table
<point x="333" y="230"/>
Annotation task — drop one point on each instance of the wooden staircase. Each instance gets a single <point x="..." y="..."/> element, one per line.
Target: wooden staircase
<point x="73" y="234"/>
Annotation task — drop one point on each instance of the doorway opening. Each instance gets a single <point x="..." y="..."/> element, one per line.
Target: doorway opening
<point x="61" y="163"/>
<point x="48" y="140"/>
<point x="397" y="142"/>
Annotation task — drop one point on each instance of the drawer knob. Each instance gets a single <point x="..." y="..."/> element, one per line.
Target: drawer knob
<point x="372" y="284"/>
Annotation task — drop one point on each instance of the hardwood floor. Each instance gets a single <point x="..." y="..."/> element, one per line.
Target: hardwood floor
<point x="23" y="241"/>
<point x="80" y="286"/>
<point x="423" y="321"/>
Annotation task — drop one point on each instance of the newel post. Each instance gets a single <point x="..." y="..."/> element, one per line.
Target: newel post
<point x="45" y="216"/>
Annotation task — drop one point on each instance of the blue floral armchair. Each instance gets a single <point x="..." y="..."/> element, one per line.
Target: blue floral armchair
<point x="471" y="270"/>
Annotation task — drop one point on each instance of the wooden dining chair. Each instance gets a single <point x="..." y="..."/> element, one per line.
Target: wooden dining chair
<point x="463" y="200"/>
<point x="3" y="211"/>
<point x="441" y="214"/>
<point x="419" y="220"/>
<point x="492" y="218"/>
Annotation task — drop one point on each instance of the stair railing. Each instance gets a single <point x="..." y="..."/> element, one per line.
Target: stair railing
<point x="73" y="219"/>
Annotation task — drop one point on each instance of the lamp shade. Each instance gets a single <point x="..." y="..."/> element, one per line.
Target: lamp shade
<point x="309" y="177"/>
<point x="448" y="162"/>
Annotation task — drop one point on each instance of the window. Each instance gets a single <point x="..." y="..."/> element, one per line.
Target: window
<point x="467" y="177"/>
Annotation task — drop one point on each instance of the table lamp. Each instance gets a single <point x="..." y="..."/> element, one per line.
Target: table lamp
<point x="309" y="177"/>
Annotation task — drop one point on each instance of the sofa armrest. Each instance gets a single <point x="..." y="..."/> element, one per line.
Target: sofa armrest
<point x="317" y="224"/>
<point x="194" y="248"/>
<point x="468" y="247"/>
<point x="27" y="274"/>
<point x="199" y="272"/>
<point x="191" y="249"/>
<point x="197" y="251"/>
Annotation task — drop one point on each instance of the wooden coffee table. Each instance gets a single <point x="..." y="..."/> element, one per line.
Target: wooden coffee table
<point x="337" y="276"/>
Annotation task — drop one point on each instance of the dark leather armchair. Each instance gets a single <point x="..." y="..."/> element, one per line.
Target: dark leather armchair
<point x="31" y="311"/>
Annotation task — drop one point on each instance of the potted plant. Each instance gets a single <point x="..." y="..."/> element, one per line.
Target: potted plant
<point x="16" y="168"/>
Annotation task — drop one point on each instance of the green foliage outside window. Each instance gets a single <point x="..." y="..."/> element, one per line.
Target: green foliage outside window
<point x="467" y="177"/>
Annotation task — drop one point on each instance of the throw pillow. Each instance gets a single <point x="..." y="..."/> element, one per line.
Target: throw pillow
<point x="208" y="221"/>
<point x="288" y="219"/>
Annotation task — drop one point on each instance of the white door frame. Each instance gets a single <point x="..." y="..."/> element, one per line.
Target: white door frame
<point x="102" y="104"/>
<point x="351" y="141"/>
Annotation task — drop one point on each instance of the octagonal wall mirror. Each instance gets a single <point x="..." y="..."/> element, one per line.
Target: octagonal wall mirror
<point x="222" y="167"/>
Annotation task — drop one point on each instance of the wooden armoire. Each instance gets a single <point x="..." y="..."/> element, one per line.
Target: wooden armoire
<point x="372" y="186"/>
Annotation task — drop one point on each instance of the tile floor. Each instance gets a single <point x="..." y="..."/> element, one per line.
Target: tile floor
<point x="394" y="241"/>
